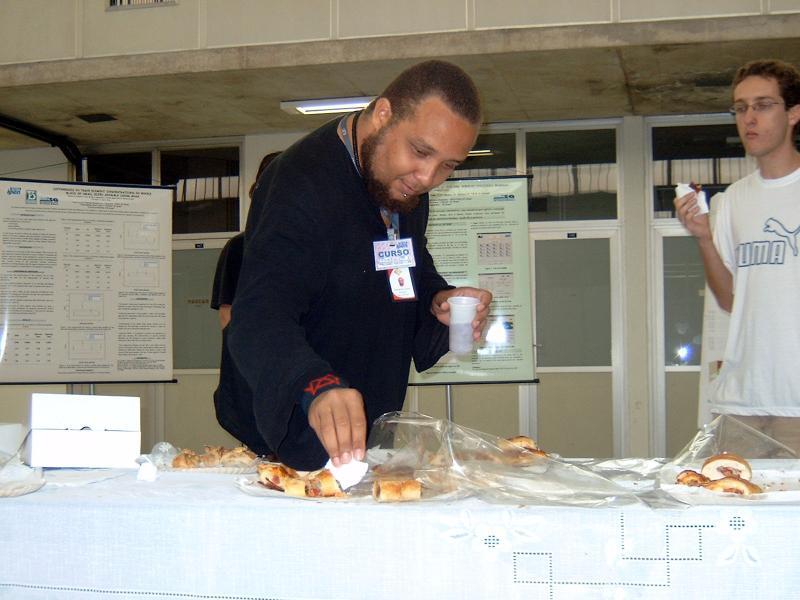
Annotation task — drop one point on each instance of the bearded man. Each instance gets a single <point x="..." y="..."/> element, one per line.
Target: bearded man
<point x="338" y="291"/>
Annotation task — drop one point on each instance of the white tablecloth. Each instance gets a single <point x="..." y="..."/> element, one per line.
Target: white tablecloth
<point x="198" y="536"/>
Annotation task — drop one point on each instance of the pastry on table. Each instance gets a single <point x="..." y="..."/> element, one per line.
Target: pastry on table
<point x="520" y="450"/>
<point x="186" y="459"/>
<point x="692" y="478"/>
<point x="322" y="484"/>
<point x="295" y="486"/>
<point x="384" y="490"/>
<point x="726" y="464"/>
<point x="238" y="457"/>
<point x="212" y="456"/>
<point x="317" y="484"/>
<point x="275" y="475"/>
<point x="523" y="441"/>
<point x="733" y="485"/>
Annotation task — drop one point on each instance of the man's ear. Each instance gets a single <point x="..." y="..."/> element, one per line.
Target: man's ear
<point x="381" y="113"/>
<point x="794" y="114"/>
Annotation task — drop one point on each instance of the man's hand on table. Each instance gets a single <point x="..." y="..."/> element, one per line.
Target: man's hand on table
<point x="441" y="308"/>
<point x="337" y="416"/>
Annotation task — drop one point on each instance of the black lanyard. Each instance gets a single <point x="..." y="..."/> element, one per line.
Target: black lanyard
<point x="351" y="143"/>
<point x="392" y="219"/>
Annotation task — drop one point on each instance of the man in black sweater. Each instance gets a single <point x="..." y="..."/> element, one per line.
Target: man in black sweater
<point x="324" y="329"/>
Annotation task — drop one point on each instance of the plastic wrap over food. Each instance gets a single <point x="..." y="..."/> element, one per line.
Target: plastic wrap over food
<point x="17" y="478"/>
<point x="727" y="434"/>
<point x="770" y="469"/>
<point x="449" y="459"/>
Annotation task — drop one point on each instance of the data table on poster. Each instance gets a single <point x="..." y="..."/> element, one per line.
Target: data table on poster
<point x="478" y="236"/>
<point x="85" y="271"/>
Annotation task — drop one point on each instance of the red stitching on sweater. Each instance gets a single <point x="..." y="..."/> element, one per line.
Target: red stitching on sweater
<point x="315" y="385"/>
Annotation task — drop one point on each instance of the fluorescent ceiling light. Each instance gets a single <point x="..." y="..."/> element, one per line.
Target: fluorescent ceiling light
<point x="484" y="152"/>
<point x="324" y="106"/>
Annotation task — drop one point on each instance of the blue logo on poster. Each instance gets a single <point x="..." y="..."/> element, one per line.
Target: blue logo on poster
<point x="30" y="196"/>
<point x="14" y="191"/>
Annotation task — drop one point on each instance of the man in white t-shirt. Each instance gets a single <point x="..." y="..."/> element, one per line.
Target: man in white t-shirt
<point x="752" y="259"/>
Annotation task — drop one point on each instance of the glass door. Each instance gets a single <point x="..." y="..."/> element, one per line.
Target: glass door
<point x="576" y="315"/>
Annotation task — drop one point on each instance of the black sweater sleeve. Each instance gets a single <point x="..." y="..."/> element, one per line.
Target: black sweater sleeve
<point x="283" y="271"/>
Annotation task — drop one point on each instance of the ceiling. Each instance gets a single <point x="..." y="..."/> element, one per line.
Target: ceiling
<point x="523" y="75"/>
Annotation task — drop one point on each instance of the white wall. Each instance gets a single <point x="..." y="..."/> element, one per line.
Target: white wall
<point x="69" y="29"/>
<point x="35" y="163"/>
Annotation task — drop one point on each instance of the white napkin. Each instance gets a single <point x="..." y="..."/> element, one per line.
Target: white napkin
<point x="348" y="474"/>
<point x="147" y="472"/>
<point x="684" y="188"/>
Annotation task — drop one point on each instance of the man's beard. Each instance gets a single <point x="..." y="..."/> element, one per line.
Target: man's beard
<point x="379" y="191"/>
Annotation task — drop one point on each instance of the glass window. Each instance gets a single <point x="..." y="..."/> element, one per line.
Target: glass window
<point x="573" y="303"/>
<point x="127" y="168"/>
<point x="196" y="336"/>
<point x="207" y="183"/>
<point x="684" y="286"/>
<point x="574" y="175"/>
<point x="493" y="154"/>
<point x="709" y="155"/>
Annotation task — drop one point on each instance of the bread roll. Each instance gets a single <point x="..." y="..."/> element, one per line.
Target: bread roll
<point x="187" y="459"/>
<point x="396" y="491"/>
<point x="726" y="465"/>
<point x="523" y="441"/>
<point x="733" y="485"/>
<point x="275" y="475"/>
<point x="295" y="486"/>
<point x="237" y="457"/>
<point x="692" y="478"/>
<point x="322" y="484"/>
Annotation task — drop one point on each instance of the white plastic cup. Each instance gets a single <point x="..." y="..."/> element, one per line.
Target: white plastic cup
<point x="462" y="314"/>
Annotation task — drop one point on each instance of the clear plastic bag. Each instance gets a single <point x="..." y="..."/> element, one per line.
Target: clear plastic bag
<point x="17" y="478"/>
<point x="453" y="460"/>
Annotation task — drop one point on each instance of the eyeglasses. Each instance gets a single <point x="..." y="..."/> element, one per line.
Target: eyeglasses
<point x="759" y="106"/>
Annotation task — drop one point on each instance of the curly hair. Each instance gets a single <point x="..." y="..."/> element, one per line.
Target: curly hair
<point x="433" y="78"/>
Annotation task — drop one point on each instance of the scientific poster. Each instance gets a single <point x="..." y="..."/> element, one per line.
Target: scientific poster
<point x="85" y="282"/>
<point x="478" y="236"/>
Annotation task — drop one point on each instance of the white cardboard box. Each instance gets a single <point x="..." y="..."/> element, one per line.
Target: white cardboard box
<point x="75" y="430"/>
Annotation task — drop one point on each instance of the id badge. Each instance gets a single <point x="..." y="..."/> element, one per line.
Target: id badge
<point x="394" y="254"/>
<point x="401" y="284"/>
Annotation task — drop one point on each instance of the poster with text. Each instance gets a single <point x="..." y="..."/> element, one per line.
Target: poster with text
<point x="478" y="236"/>
<point x="85" y="282"/>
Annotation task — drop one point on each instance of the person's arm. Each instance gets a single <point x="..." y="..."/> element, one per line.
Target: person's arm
<point x="718" y="277"/>
<point x="283" y="273"/>
<point x="224" y="315"/>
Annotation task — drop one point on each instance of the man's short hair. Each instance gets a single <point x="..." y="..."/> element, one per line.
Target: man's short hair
<point x="433" y="78"/>
<point x="785" y="74"/>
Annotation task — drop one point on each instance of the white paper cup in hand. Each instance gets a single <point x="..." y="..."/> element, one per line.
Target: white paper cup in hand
<point x="462" y="314"/>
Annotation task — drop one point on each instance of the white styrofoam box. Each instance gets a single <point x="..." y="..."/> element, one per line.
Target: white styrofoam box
<point x="81" y="411"/>
<point x="93" y="449"/>
<point x="76" y="430"/>
<point x="11" y="435"/>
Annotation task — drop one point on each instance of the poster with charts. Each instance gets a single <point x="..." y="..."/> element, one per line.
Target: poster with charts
<point x="478" y="236"/>
<point x="85" y="282"/>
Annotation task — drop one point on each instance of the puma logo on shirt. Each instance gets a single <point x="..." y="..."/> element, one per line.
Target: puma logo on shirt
<point x="768" y="252"/>
<point x="779" y="229"/>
